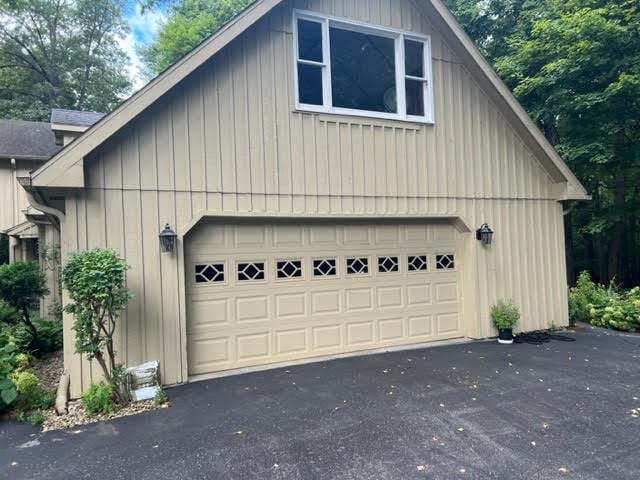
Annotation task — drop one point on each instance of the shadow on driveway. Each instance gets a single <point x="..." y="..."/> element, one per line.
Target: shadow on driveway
<point x="477" y="410"/>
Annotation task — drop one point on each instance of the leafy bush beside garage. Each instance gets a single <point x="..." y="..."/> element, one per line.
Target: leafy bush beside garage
<point x="602" y="306"/>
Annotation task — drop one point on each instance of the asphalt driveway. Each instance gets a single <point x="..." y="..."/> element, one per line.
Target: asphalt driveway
<point x="477" y="410"/>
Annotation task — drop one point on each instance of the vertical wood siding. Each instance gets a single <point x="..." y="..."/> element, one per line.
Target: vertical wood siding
<point x="228" y="139"/>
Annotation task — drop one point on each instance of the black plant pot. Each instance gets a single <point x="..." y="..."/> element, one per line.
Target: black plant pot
<point x="505" y="335"/>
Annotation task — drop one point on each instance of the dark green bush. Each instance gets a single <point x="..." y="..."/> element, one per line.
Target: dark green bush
<point x="99" y="398"/>
<point x="8" y="314"/>
<point x="8" y="392"/>
<point x="49" y="336"/>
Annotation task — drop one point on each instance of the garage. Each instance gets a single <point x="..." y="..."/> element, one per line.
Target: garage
<point x="261" y="293"/>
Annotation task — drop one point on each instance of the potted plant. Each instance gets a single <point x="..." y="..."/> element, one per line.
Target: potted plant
<point x="504" y="315"/>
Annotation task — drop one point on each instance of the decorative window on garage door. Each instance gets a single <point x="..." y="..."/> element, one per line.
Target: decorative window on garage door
<point x="388" y="264"/>
<point x="209" y="273"/>
<point x="445" y="262"/>
<point x="357" y="265"/>
<point x="417" y="263"/>
<point x="250" y="271"/>
<point x="325" y="267"/>
<point x="288" y="269"/>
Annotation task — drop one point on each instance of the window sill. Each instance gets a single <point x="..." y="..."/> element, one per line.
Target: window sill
<point x="365" y="121"/>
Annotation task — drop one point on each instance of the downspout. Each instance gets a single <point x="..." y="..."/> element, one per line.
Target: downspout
<point x="37" y="201"/>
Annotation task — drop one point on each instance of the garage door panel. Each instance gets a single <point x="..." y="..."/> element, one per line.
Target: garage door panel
<point x="253" y="309"/>
<point x="390" y="297"/>
<point x="312" y="297"/>
<point x="291" y="305"/>
<point x="358" y="299"/>
<point x="327" y="302"/>
<point x="290" y="342"/>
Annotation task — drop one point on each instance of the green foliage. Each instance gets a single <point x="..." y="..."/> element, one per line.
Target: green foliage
<point x="96" y="282"/>
<point x="8" y="314"/>
<point x="602" y="306"/>
<point x="8" y="392"/>
<point x="575" y="67"/>
<point x="98" y="399"/>
<point x="61" y="54"/>
<point x="36" y="418"/>
<point x="504" y="314"/>
<point x="4" y="248"/>
<point x="160" y="398"/>
<point x="188" y="24"/>
<point x="49" y="336"/>
<point x="21" y="285"/>
<point x="30" y="395"/>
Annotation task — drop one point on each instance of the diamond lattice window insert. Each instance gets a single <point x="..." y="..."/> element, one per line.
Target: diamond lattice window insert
<point x="289" y="269"/>
<point x="210" y="273"/>
<point x="358" y="265"/>
<point x="417" y="263"/>
<point x="445" y="262"/>
<point x="250" y="271"/>
<point x="387" y="264"/>
<point x="324" y="268"/>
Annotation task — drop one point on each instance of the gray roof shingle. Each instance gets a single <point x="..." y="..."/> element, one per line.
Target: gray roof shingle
<point x="75" y="117"/>
<point x="21" y="139"/>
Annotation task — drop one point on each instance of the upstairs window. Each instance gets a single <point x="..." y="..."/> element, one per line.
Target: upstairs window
<point x="357" y="69"/>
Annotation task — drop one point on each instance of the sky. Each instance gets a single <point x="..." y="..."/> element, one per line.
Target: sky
<point x="142" y="29"/>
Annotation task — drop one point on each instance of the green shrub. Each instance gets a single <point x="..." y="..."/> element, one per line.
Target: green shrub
<point x="160" y="397"/>
<point x="8" y="392"/>
<point x="30" y="395"/>
<point x="504" y="314"/>
<point x="8" y="314"/>
<point x="98" y="399"/>
<point x="603" y="306"/>
<point x="36" y="418"/>
<point x="49" y="334"/>
<point x="21" y="285"/>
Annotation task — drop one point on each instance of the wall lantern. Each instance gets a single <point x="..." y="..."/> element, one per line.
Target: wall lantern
<point x="484" y="234"/>
<point x="167" y="239"/>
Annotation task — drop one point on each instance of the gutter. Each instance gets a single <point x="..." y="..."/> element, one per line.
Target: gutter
<point x="37" y="201"/>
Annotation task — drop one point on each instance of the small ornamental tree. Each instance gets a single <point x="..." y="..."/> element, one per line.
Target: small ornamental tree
<point x="96" y="282"/>
<point x="22" y="284"/>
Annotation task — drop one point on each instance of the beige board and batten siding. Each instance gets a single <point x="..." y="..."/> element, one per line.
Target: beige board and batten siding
<point x="13" y="199"/>
<point x="228" y="140"/>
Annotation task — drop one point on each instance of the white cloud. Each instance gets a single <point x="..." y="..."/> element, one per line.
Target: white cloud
<point x="142" y="30"/>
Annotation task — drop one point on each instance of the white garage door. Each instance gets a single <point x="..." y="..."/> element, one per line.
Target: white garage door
<point x="259" y="294"/>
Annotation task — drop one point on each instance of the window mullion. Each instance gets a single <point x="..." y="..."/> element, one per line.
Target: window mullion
<point x="326" y="70"/>
<point x="400" y="77"/>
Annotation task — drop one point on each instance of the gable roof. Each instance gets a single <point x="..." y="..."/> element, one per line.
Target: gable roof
<point x="24" y="140"/>
<point x="66" y="168"/>
<point x="75" y="117"/>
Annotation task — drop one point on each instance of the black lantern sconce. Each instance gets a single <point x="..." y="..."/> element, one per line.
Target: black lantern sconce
<point x="167" y="239"/>
<point x="484" y="234"/>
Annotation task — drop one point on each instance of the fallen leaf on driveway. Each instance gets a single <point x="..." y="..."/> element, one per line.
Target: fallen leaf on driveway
<point x="434" y="439"/>
<point x="442" y="404"/>
<point x="562" y="470"/>
<point x="533" y="444"/>
<point x="238" y="432"/>
<point x="460" y="429"/>
<point x="420" y="468"/>
<point x="13" y="464"/>
<point x="462" y="470"/>
<point x="545" y="425"/>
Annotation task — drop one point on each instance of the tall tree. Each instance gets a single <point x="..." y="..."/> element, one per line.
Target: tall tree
<point x="189" y="22"/>
<point x="575" y="66"/>
<point x="60" y="53"/>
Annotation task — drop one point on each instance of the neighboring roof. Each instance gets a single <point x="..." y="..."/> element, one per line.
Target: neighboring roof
<point x="23" y="230"/>
<point x="27" y="140"/>
<point x="75" y="117"/>
<point x="66" y="169"/>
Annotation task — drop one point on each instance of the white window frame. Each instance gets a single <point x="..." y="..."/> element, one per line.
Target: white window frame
<point x="399" y="36"/>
